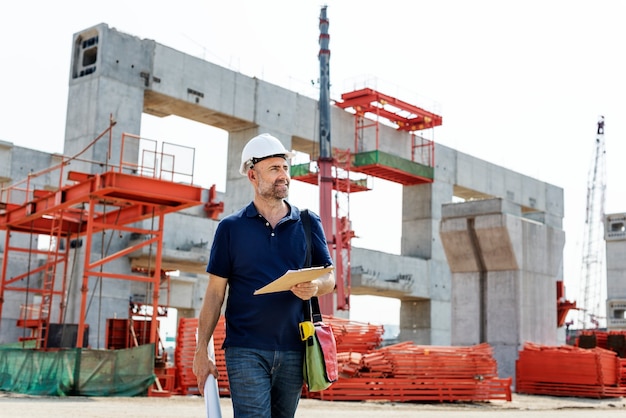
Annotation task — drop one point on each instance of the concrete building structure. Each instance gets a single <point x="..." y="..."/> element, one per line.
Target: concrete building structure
<point x="615" y="238"/>
<point x="484" y="270"/>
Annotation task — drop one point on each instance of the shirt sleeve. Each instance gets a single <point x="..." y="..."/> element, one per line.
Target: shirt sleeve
<point x="321" y="255"/>
<point x="219" y="257"/>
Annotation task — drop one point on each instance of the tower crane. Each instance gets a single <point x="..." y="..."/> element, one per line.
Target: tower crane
<point x="592" y="313"/>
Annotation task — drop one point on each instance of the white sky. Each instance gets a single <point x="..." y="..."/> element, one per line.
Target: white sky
<point x="519" y="83"/>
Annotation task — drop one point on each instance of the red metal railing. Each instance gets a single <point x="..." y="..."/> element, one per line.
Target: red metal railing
<point x="148" y="162"/>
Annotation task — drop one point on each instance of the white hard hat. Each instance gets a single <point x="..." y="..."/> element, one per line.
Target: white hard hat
<point x="259" y="148"/>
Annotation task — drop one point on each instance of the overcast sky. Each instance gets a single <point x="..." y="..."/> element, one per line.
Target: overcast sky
<point x="519" y="83"/>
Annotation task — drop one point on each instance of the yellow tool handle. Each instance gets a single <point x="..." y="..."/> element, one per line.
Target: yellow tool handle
<point x="307" y="329"/>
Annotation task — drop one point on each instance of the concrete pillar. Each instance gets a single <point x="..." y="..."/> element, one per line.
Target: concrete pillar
<point x="238" y="187"/>
<point x="502" y="318"/>
<point x="466" y="305"/>
<point x="504" y="272"/>
<point x="415" y="321"/>
<point x="104" y="84"/>
<point x="417" y="220"/>
<point x="421" y="214"/>
<point x="6" y="155"/>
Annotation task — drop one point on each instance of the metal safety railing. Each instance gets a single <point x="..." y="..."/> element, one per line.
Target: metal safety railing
<point x="138" y="155"/>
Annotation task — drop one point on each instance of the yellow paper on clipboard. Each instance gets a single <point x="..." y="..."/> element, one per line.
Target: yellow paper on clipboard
<point x="292" y="278"/>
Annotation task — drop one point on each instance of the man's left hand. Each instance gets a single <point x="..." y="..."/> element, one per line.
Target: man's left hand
<point x="305" y="291"/>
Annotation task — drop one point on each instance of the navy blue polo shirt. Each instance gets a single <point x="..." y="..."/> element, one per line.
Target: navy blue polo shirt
<point x="250" y="254"/>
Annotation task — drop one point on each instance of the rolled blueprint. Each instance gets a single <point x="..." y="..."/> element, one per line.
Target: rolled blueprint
<point x="211" y="392"/>
<point x="212" y="398"/>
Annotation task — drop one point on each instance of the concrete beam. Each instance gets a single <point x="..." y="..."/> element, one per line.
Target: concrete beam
<point x="383" y="274"/>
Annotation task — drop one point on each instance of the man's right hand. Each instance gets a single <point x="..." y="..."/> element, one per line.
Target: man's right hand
<point x="203" y="366"/>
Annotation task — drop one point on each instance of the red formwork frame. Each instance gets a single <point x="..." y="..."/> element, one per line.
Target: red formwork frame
<point x="82" y="205"/>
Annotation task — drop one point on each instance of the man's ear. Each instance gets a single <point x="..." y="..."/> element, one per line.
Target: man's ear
<point x="251" y="175"/>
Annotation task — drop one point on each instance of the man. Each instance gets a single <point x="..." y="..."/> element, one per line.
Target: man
<point x="251" y="248"/>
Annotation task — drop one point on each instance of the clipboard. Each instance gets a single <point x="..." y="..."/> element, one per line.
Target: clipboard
<point x="292" y="278"/>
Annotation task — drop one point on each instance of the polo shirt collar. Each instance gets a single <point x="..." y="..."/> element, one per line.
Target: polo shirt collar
<point x="293" y="215"/>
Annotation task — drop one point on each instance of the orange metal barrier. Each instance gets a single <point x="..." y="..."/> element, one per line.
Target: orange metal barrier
<point x="570" y="371"/>
<point x="352" y="336"/>
<point x="185" y="382"/>
<point x="394" y="389"/>
<point x="220" y="361"/>
<point x="407" y="372"/>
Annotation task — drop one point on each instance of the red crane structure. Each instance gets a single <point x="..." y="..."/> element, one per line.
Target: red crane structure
<point x="333" y="172"/>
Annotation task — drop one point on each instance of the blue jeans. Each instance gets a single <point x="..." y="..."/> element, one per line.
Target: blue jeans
<point x="264" y="384"/>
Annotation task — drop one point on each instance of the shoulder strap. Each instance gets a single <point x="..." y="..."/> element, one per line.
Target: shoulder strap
<point x="316" y="314"/>
<point x="311" y="306"/>
<point x="311" y="310"/>
<point x="306" y="224"/>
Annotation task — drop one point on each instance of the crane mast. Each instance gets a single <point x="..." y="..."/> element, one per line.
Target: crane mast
<point x="325" y="161"/>
<point x="592" y="313"/>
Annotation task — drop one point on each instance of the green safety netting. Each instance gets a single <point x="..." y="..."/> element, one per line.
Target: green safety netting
<point x="299" y="170"/>
<point x="76" y="371"/>
<point x="376" y="157"/>
<point x="379" y="157"/>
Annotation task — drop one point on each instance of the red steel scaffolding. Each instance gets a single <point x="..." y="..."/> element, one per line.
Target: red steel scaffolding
<point x="116" y="201"/>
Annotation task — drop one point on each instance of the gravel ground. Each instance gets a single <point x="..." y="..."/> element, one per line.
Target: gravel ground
<point x="18" y="406"/>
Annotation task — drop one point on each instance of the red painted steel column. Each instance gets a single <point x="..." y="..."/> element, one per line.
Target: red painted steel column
<point x="84" y="289"/>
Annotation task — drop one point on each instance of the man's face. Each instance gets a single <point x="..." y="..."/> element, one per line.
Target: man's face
<point x="271" y="178"/>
